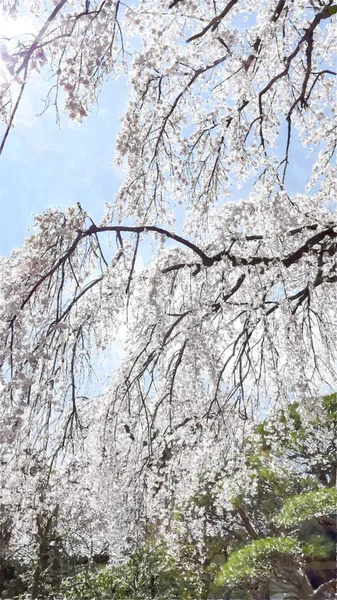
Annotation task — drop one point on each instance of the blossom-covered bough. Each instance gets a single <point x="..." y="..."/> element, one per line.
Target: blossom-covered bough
<point x="233" y="313"/>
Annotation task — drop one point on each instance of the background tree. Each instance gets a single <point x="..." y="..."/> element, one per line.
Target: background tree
<point x="267" y="516"/>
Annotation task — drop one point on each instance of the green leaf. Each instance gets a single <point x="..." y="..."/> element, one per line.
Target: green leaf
<point x="304" y="507"/>
<point x="255" y="561"/>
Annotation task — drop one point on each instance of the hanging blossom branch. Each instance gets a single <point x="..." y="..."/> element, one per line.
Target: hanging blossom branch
<point x="64" y="38"/>
<point x="64" y="300"/>
<point x="25" y="65"/>
<point x="39" y="37"/>
<point x="321" y="238"/>
<point x="63" y="44"/>
<point x="282" y="60"/>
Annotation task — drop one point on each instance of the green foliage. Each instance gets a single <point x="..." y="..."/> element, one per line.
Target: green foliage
<point x="332" y="10"/>
<point x="282" y="499"/>
<point x="304" y="507"/>
<point x="255" y="561"/>
<point x="303" y="438"/>
<point x="95" y="585"/>
<point x="330" y="402"/>
<point x="318" y="547"/>
<point x="150" y="572"/>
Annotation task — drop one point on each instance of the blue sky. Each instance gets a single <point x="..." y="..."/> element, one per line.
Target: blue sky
<point x="43" y="166"/>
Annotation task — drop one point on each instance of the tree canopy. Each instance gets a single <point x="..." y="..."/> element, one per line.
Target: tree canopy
<point x="215" y="266"/>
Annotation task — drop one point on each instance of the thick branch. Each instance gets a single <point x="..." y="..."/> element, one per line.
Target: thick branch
<point x="328" y="586"/>
<point x="248" y="526"/>
<point x="206" y="260"/>
<point x="214" y="23"/>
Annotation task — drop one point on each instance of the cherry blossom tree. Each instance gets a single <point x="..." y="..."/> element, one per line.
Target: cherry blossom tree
<point x="235" y="311"/>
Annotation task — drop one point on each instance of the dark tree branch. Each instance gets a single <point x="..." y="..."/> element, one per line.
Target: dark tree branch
<point x="214" y="23"/>
<point x="40" y="35"/>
